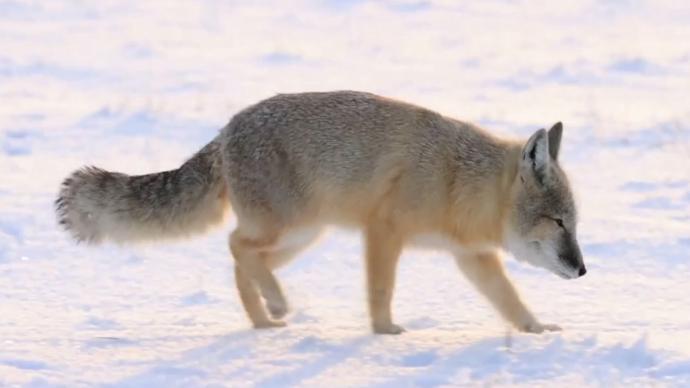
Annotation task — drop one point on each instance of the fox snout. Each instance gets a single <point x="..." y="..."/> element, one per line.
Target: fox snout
<point x="571" y="256"/>
<point x="574" y="261"/>
<point x="573" y="272"/>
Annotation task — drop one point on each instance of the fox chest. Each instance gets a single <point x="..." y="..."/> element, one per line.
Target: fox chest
<point x="440" y="242"/>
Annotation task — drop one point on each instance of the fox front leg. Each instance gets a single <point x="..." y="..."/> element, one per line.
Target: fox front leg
<point x="383" y="249"/>
<point x="485" y="270"/>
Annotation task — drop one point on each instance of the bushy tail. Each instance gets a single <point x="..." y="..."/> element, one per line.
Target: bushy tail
<point x="96" y="205"/>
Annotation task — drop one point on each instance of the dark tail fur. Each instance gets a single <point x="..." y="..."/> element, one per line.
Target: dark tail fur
<point x="96" y="205"/>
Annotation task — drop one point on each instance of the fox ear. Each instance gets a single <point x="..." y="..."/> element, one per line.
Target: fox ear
<point x="535" y="156"/>
<point x="555" y="134"/>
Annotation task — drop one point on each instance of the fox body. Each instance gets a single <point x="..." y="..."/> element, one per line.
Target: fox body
<point x="404" y="175"/>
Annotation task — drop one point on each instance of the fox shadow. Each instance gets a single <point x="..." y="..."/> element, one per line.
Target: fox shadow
<point x="241" y="355"/>
<point x="280" y="358"/>
<point x="533" y="359"/>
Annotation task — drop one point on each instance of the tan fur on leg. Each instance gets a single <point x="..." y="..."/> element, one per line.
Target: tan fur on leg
<point x="251" y="300"/>
<point x="383" y="249"/>
<point x="250" y="255"/>
<point x="485" y="270"/>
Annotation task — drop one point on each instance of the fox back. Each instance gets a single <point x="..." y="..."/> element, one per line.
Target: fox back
<point x="339" y="156"/>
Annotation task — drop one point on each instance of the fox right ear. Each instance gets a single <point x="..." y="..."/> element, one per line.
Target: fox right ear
<point x="535" y="156"/>
<point x="555" y="134"/>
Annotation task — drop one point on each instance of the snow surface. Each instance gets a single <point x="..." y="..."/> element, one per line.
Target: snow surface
<point x="138" y="86"/>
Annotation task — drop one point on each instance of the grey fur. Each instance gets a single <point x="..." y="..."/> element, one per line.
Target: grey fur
<point x="289" y="148"/>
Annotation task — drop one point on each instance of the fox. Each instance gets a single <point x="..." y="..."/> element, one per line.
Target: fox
<point x="405" y="176"/>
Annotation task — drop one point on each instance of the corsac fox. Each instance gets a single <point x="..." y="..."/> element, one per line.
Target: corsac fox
<point x="404" y="175"/>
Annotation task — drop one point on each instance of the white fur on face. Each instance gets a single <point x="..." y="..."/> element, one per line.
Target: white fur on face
<point x="544" y="255"/>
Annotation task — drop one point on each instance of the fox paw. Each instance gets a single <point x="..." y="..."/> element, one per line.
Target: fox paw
<point x="268" y="324"/>
<point x="538" y="328"/>
<point x="277" y="310"/>
<point x="388" y="329"/>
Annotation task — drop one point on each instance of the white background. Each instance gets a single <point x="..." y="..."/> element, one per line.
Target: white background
<point x="137" y="87"/>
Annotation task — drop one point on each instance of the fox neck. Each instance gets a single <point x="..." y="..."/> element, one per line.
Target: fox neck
<point x="481" y="217"/>
<point x="507" y="181"/>
<point x="510" y="184"/>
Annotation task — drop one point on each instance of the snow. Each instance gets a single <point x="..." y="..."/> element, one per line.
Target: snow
<point x="139" y="86"/>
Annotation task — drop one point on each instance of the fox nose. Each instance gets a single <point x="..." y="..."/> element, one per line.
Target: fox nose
<point x="582" y="271"/>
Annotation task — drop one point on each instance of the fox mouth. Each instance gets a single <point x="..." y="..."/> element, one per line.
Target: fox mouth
<point x="563" y="274"/>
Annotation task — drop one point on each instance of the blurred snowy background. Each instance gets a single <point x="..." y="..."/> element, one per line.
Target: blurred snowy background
<point x="138" y="86"/>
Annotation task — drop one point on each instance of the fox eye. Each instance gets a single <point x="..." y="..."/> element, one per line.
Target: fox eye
<point x="558" y="221"/>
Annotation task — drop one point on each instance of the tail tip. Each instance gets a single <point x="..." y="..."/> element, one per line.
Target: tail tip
<point x="73" y="206"/>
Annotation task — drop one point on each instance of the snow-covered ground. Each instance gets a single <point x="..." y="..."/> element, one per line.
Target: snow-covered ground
<point x="137" y="86"/>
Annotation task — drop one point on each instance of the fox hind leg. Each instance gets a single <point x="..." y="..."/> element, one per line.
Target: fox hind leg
<point x="251" y="300"/>
<point x="287" y="248"/>
<point x="255" y="259"/>
<point x="251" y="258"/>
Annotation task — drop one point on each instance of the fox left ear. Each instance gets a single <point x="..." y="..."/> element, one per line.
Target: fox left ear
<point x="535" y="156"/>
<point x="555" y="134"/>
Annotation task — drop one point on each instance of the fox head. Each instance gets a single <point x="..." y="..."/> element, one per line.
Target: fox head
<point x="541" y="228"/>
